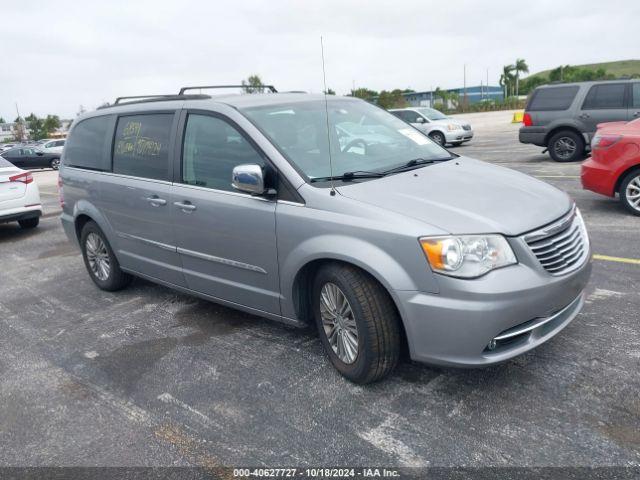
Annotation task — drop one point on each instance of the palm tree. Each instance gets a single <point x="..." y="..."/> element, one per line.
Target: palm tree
<point x="520" y="67"/>
<point x="506" y="78"/>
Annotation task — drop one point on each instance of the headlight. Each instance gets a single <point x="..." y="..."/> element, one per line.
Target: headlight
<point x="467" y="256"/>
<point x="452" y="127"/>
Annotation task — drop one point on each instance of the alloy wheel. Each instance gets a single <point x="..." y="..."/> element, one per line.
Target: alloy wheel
<point x="339" y="323"/>
<point x="438" y="138"/>
<point x="565" y="147"/>
<point x="632" y="193"/>
<point x="98" y="256"/>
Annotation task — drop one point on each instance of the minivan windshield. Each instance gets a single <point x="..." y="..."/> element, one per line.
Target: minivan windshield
<point x="363" y="137"/>
<point x="431" y="113"/>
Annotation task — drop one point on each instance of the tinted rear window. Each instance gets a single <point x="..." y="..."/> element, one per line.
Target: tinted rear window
<point x="605" y="96"/>
<point x="141" y="147"/>
<point x="87" y="144"/>
<point x="556" y="98"/>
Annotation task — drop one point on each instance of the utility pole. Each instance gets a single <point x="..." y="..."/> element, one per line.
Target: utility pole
<point x="431" y="101"/>
<point x="487" y="83"/>
<point x="464" y="97"/>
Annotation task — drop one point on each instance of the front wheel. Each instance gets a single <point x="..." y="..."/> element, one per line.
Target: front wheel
<point x="357" y="323"/>
<point x="438" y="137"/>
<point x="630" y="192"/>
<point x="566" y="146"/>
<point x="55" y="163"/>
<point x="101" y="263"/>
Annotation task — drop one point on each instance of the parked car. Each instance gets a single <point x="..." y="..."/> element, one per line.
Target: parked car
<point x="614" y="166"/>
<point x="251" y="201"/>
<point x="52" y="146"/>
<point x="8" y="146"/>
<point x="27" y="157"/>
<point x="19" y="196"/>
<point x="440" y="128"/>
<point x="563" y="117"/>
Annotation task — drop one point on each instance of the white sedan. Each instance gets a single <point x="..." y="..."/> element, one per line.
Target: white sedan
<point x="19" y="196"/>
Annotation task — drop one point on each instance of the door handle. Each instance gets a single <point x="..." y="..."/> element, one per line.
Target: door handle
<point x="585" y="115"/>
<point x="155" y="201"/>
<point x="185" y="206"/>
<point x="636" y="114"/>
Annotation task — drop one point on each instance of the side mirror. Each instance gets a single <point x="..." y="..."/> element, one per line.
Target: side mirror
<point x="248" y="178"/>
<point x="419" y="120"/>
<point x="39" y="153"/>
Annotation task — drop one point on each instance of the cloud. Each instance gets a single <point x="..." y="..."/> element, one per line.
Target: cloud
<point x="59" y="55"/>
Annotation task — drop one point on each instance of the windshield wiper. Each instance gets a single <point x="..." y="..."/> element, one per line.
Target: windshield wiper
<point x="346" y="176"/>
<point x="411" y="164"/>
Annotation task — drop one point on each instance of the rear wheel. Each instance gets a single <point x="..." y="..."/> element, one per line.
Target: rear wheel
<point x="630" y="192"/>
<point x="357" y="323"/>
<point x="566" y="146"/>
<point x="29" y="223"/>
<point x="438" y="137"/>
<point x="101" y="263"/>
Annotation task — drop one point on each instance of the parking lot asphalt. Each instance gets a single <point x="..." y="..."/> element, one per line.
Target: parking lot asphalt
<point x="151" y="377"/>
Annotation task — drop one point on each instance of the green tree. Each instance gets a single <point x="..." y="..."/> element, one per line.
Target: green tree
<point x="506" y="79"/>
<point x="392" y="99"/>
<point x="2" y="120"/>
<point x="330" y="91"/>
<point x="36" y="127"/>
<point x="253" y="84"/>
<point x="51" y="124"/>
<point x="520" y="67"/>
<point x="363" y="93"/>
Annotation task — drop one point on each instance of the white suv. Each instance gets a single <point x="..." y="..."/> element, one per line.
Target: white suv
<point x="52" y="146"/>
<point x="19" y="196"/>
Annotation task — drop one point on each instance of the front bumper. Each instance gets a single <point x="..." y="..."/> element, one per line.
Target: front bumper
<point x="455" y="326"/>
<point x="458" y="136"/>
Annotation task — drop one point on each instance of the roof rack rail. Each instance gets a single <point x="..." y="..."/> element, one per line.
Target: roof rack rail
<point x="137" y="97"/>
<point x="271" y="88"/>
<point x="153" y="98"/>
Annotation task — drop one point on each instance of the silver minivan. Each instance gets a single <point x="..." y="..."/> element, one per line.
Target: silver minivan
<point x="306" y="209"/>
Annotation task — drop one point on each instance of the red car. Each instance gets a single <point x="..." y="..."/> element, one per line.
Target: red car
<point x="614" y="166"/>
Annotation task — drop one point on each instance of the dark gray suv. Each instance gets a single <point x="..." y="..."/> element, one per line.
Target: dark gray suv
<point x="564" y="117"/>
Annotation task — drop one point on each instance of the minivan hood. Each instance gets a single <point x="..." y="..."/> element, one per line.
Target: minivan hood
<point x="464" y="195"/>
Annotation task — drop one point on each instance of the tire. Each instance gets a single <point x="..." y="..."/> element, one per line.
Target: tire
<point x="29" y="223"/>
<point x="95" y="251"/>
<point x="631" y="186"/>
<point x="456" y="144"/>
<point x="55" y="164"/>
<point x="378" y="338"/>
<point x="566" y="146"/>
<point x="438" y="137"/>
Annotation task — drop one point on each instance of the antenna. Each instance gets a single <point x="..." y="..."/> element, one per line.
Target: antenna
<point x="326" y="111"/>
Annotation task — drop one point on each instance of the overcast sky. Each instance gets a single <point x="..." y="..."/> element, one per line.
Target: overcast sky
<point x="58" y="55"/>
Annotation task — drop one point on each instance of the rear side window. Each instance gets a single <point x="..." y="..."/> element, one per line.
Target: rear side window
<point x="87" y="144"/>
<point x="4" y="163"/>
<point x="636" y="95"/>
<point x="141" y="147"/>
<point x="605" y="96"/>
<point x="556" y="98"/>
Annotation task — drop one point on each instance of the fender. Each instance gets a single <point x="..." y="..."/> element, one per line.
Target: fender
<point x="84" y="207"/>
<point x="367" y="256"/>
